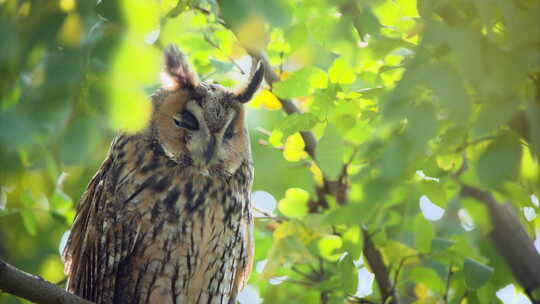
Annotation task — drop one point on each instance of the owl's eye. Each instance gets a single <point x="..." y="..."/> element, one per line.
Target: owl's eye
<point x="187" y="121"/>
<point x="229" y="133"/>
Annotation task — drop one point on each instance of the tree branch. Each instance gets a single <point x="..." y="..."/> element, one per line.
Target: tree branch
<point x="288" y="105"/>
<point x="350" y="9"/>
<point x="34" y="288"/>
<point x="511" y="240"/>
<point x="372" y="254"/>
<point x="382" y="275"/>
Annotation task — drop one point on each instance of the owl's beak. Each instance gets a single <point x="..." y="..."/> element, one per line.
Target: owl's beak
<point x="210" y="149"/>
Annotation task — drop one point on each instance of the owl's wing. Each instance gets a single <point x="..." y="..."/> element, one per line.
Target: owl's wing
<point x="98" y="242"/>
<point x="244" y="271"/>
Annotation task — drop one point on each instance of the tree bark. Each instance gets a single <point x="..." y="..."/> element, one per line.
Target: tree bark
<point x="34" y="288"/>
<point x="511" y="240"/>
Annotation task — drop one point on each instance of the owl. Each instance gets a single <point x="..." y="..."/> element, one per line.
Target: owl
<point x="167" y="218"/>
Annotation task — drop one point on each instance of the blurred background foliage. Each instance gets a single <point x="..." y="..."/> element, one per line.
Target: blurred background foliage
<point x="408" y="99"/>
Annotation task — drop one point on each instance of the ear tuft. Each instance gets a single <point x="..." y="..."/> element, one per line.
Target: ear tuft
<point x="178" y="73"/>
<point x="246" y="94"/>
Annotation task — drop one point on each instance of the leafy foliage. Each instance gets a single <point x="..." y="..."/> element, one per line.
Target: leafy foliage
<point x="406" y="99"/>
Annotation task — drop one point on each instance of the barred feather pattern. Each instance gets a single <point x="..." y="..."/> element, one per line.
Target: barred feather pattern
<point x="150" y="230"/>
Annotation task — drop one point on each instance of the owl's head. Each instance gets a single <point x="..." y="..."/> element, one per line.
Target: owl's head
<point x="200" y="124"/>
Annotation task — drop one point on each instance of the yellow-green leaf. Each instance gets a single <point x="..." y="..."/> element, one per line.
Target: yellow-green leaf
<point x="341" y="72"/>
<point x="293" y="150"/>
<point x="294" y="205"/>
<point x="327" y="245"/>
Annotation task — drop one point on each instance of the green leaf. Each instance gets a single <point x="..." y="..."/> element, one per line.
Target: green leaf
<point x="276" y="12"/>
<point x="323" y="103"/>
<point x="353" y="241"/>
<point x="500" y="161"/>
<point x="298" y="122"/>
<point x="449" y="88"/>
<point x="479" y="213"/>
<point x="61" y="201"/>
<point x="297" y="84"/>
<point x="349" y="214"/>
<point x="368" y="21"/>
<point x="423" y="231"/>
<point x="341" y="72"/>
<point x="493" y="114"/>
<point x="297" y="36"/>
<point x="27" y="198"/>
<point x="422" y="126"/>
<point x="440" y="244"/>
<point x="294" y="205"/>
<point x="29" y="221"/>
<point x="330" y="152"/>
<point x="427" y="276"/>
<point x="393" y="219"/>
<point x="294" y="148"/>
<point x="434" y="191"/>
<point x="532" y="113"/>
<point x="476" y="274"/>
<point x="347" y="274"/>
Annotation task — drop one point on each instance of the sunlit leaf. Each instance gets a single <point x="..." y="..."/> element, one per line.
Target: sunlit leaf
<point x="298" y="83"/>
<point x="52" y="269"/>
<point x="275" y="138"/>
<point x="323" y="103"/>
<point x="341" y="72"/>
<point x="353" y="241"/>
<point x="328" y="245"/>
<point x="294" y="204"/>
<point x="267" y="99"/>
<point x="293" y="150"/>
<point x="29" y="220"/>
<point x="71" y="33"/>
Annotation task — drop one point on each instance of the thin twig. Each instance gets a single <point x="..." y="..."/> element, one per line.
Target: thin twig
<point x="447" y="288"/>
<point x="361" y="301"/>
<point x="216" y="46"/>
<point x="263" y="131"/>
<point x="207" y="13"/>
<point x="268" y="215"/>
<point x="398" y="270"/>
<point x="474" y="142"/>
<point x="464" y="165"/>
<point x="281" y="63"/>
<point x="303" y="274"/>
<point x="298" y="282"/>
<point x="350" y="9"/>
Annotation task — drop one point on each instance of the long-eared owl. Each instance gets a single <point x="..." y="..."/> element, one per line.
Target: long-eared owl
<point x="167" y="218"/>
